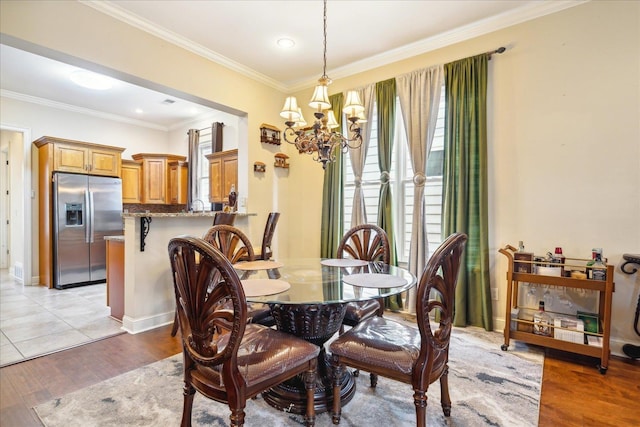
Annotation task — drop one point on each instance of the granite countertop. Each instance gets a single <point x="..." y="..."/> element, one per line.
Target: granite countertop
<point x="207" y="214"/>
<point x="115" y="238"/>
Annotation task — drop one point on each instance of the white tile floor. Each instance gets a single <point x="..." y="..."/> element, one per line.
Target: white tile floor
<point x="35" y="320"/>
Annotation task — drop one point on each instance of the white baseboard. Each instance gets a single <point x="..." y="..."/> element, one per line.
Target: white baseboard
<point x="142" y="324"/>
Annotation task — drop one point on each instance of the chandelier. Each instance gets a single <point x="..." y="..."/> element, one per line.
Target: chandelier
<point x="320" y="139"/>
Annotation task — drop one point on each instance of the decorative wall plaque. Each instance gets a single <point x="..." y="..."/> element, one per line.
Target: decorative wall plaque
<point x="269" y="134"/>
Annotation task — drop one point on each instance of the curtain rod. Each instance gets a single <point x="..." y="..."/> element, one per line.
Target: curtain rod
<point x="498" y="50"/>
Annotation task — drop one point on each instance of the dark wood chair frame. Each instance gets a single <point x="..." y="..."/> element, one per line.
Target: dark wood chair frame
<point x="435" y="295"/>
<point x="235" y="246"/>
<point x="267" y="237"/>
<point x="213" y="319"/>
<point x="370" y="243"/>
<point x="224" y="218"/>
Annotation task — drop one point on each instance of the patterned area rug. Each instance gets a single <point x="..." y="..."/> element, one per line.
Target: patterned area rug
<point x="487" y="387"/>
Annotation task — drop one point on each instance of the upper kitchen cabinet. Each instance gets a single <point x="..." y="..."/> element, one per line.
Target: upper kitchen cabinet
<point x="223" y="173"/>
<point x="131" y="181"/>
<point x="155" y="176"/>
<point x="65" y="155"/>
<point x="178" y="176"/>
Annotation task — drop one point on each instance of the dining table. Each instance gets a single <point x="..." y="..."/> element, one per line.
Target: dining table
<point x="308" y="298"/>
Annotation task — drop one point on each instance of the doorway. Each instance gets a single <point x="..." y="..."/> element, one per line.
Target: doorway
<point x="16" y="203"/>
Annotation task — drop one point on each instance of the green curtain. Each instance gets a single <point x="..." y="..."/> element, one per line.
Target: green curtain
<point x="331" y="229"/>
<point x="386" y="101"/>
<point x="464" y="205"/>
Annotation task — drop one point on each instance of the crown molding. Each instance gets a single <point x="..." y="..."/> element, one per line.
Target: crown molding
<point x="120" y="14"/>
<point x="504" y="20"/>
<point x="476" y="29"/>
<point x="80" y="110"/>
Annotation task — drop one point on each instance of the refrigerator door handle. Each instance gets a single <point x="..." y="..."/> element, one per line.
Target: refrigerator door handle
<point x="87" y="228"/>
<point x="91" y="216"/>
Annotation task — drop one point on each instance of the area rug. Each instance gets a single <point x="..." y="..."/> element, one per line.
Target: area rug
<point x="487" y="387"/>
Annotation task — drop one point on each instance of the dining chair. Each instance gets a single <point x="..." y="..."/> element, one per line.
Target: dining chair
<point x="269" y="228"/>
<point x="236" y="246"/>
<point x="416" y="356"/>
<point x="370" y="243"/>
<point x="224" y="218"/>
<point x="225" y="358"/>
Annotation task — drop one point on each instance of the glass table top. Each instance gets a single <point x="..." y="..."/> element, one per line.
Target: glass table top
<point x="315" y="280"/>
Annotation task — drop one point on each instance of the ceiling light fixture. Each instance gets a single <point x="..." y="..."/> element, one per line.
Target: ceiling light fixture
<point x="91" y="80"/>
<point x="286" y="43"/>
<point x="319" y="139"/>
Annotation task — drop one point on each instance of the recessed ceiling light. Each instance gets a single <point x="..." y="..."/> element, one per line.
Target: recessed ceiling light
<point x="91" y="80"/>
<point x="139" y="110"/>
<point x="286" y="43"/>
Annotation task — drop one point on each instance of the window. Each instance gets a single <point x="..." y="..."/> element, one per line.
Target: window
<point x="202" y="190"/>
<point x="401" y="182"/>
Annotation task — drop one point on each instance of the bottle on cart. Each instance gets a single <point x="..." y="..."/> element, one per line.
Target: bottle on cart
<point x="589" y="270"/>
<point x="598" y="269"/>
<point x="542" y="321"/>
<point x="561" y="259"/>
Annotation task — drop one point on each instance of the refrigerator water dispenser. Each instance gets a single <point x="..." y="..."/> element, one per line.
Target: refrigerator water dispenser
<point x="73" y="215"/>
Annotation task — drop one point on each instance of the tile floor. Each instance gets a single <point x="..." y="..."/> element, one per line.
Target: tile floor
<point x="35" y="320"/>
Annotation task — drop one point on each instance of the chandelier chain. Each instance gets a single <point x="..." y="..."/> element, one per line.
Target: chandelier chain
<point x="324" y="58"/>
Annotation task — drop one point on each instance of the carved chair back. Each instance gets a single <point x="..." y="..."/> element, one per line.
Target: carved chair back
<point x="232" y="242"/>
<point x="367" y="242"/>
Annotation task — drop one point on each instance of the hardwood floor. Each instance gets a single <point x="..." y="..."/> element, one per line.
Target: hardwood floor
<point x="574" y="393"/>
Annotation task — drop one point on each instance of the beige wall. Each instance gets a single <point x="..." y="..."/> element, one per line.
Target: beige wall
<point x="564" y="130"/>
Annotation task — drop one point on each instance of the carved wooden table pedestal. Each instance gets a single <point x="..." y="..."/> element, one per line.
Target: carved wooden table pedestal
<point x="316" y="323"/>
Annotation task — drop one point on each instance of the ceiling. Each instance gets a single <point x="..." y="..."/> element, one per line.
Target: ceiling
<point x="242" y="35"/>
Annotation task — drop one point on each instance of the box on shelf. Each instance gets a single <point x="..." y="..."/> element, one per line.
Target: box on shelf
<point x="523" y="267"/>
<point x="576" y="335"/>
<point x="549" y="271"/>
<point x="594" y="340"/>
<point x="591" y="321"/>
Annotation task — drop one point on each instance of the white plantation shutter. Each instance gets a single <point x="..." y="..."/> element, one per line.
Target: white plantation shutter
<point x="401" y="185"/>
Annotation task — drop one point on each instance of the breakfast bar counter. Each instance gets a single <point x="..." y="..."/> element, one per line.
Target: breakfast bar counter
<point x="148" y="287"/>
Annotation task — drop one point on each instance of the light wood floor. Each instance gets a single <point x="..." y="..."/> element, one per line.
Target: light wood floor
<point x="574" y="393"/>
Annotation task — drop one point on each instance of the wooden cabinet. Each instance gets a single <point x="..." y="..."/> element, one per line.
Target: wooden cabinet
<point x="520" y="328"/>
<point x="223" y="173"/>
<point x="65" y="155"/>
<point x="81" y="157"/>
<point x="131" y="181"/>
<point x="178" y="176"/>
<point x="155" y="176"/>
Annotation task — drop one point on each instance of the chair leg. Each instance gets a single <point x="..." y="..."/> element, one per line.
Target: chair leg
<point x="174" y="330"/>
<point x="189" y="393"/>
<point x="420" y="402"/>
<point x="374" y="380"/>
<point x="310" y="385"/>
<point x="444" y="393"/>
<point x="338" y="371"/>
<point x="237" y="417"/>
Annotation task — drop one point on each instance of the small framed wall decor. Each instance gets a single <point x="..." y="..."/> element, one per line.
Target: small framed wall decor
<point x="259" y="167"/>
<point x="281" y="160"/>
<point x="269" y="134"/>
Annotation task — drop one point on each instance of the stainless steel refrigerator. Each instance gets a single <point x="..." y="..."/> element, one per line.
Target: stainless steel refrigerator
<point x="86" y="209"/>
